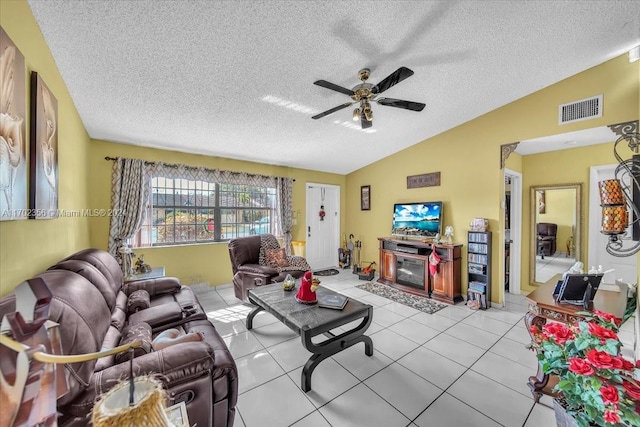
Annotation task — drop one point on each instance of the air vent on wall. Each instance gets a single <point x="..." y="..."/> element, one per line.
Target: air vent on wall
<point x="584" y="109"/>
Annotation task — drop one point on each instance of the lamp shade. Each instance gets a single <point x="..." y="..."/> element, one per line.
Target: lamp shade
<point x="611" y="192"/>
<point x="615" y="219"/>
<point x="148" y="410"/>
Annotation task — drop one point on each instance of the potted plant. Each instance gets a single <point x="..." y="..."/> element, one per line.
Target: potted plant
<point x="596" y="385"/>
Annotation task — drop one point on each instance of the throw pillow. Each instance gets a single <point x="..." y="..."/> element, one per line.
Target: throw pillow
<point x="138" y="332"/>
<point x="276" y="258"/>
<point x="138" y="300"/>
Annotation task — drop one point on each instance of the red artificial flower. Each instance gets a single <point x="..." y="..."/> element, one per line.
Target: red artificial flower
<point x="607" y="316"/>
<point x="580" y="366"/>
<point x="611" y="417"/>
<point x="633" y="390"/>
<point x="609" y="395"/>
<point x="560" y="332"/>
<point x="626" y="365"/>
<point x="638" y="363"/>
<point x="603" y="360"/>
<point x="602" y="332"/>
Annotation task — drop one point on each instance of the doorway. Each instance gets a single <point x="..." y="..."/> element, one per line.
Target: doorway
<point x="512" y="248"/>
<point x="625" y="268"/>
<point x="323" y="231"/>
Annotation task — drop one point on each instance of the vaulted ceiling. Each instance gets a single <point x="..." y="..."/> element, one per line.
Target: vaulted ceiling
<point x="235" y="78"/>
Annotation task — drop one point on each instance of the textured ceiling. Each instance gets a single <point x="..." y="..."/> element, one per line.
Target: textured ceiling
<point x="235" y="78"/>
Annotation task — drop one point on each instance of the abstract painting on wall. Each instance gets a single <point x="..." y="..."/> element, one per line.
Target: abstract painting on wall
<point x="43" y="191"/>
<point x="13" y="148"/>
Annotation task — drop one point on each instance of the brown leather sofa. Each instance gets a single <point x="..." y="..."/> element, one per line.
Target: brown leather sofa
<point x="547" y="233"/>
<point x="249" y="272"/>
<point x="89" y="301"/>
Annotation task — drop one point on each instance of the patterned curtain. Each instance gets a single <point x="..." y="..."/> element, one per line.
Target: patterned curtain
<point x="284" y="210"/>
<point x="130" y="188"/>
<point x="130" y="191"/>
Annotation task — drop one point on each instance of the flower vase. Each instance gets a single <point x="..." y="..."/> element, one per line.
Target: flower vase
<point x="563" y="418"/>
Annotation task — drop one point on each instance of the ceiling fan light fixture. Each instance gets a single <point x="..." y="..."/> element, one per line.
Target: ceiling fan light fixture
<point x="366" y="111"/>
<point x="365" y="92"/>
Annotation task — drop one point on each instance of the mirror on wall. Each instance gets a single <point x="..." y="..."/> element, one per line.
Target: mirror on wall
<point x="556" y="224"/>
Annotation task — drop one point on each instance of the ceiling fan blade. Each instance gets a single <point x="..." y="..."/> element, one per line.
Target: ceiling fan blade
<point x="399" y="103"/>
<point x="333" y="110"/>
<point x="332" y="86"/>
<point x="365" y="123"/>
<point x="392" y="79"/>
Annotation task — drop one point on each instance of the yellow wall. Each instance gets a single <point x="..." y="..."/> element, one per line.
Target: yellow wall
<point x="29" y="246"/>
<point x="468" y="157"/>
<point x="191" y="263"/>
<point x="560" y="208"/>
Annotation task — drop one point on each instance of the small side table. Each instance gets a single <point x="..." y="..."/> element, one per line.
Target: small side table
<point x="155" y="273"/>
<point x="569" y="246"/>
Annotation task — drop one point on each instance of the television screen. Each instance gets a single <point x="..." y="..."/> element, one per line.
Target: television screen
<point x="423" y="219"/>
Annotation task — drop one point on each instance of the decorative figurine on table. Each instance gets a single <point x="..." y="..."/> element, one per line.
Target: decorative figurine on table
<point x="141" y="267"/>
<point x="289" y="283"/>
<point x="448" y="235"/>
<point x="307" y="292"/>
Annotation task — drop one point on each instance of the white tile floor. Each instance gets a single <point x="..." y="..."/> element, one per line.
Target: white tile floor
<point x="456" y="367"/>
<point x="548" y="267"/>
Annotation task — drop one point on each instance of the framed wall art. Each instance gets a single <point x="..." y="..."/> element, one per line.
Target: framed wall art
<point x="542" y="203"/>
<point x="13" y="147"/>
<point x="424" y="180"/>
<point x="43" y="191"/>
<point x="365" y="197"/>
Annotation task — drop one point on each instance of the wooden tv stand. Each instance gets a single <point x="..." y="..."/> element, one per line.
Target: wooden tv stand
<point x="443" y="286"/>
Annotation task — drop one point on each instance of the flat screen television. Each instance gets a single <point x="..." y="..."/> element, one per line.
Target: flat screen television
<point x="417" y="220"/>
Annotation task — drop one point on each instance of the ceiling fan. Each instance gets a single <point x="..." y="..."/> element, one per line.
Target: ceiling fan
<point x="365" y="93"/>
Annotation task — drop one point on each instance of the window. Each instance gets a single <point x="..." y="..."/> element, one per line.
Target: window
<point x="183" y="211"/>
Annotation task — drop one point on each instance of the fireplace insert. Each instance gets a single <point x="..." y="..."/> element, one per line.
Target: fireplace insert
<point x="410" y="272"/>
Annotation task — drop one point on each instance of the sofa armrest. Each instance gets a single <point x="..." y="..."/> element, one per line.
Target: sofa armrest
<point x="159" y="286"/>
<point x="173" y="363"/>
<point x="158" y="315"/>
<point x="257" y="269"/>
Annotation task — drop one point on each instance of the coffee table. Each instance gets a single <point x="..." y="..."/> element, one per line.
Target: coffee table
<point x="155" y="273"/>
<point x="310" y="321"/>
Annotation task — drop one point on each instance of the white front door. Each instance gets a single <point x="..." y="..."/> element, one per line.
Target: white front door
<point x="323" y="235"/>
<point x="626" y="268"/>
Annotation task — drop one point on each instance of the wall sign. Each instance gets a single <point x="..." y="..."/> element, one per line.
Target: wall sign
<point x="424" y="180"/>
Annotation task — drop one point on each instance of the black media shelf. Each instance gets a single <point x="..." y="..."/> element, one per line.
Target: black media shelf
<point x="479" y="268"/>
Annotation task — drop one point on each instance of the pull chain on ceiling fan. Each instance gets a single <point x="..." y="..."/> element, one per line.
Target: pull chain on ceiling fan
<point x="365" y="93"/>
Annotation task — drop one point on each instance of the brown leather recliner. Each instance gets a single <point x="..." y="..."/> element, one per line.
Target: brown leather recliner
<point x="249" y="273"/>
<point x="89" y="302"/>
<point x="547" y="233"/>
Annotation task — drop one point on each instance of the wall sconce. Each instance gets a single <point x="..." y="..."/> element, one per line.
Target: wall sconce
<point x="617" y="195"/>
